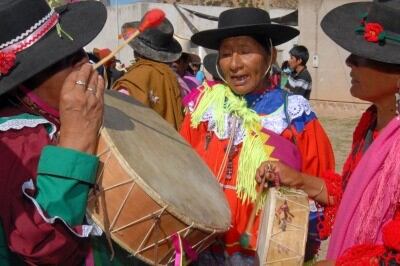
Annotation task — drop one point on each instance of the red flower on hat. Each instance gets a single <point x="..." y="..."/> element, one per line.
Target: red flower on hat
<point x="7" y="61"/>
<point x="372" y="31"/>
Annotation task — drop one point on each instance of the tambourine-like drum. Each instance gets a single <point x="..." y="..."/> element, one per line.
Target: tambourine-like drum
<point x="283" y="228"/>
<point x="154" y="195"/>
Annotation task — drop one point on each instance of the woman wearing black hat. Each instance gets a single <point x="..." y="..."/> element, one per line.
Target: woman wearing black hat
<point x="236" y="125"/>
<point x="50" y="114"/>
<point x="366" y="230"/>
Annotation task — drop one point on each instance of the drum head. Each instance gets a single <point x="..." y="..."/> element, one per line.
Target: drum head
<point x="164" y="164"/>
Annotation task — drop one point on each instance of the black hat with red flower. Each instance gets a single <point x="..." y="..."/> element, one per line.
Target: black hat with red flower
<point x="367" y="29"/>
<point x="33" y="36"/>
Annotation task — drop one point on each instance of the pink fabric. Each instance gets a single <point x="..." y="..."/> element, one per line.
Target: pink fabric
<point x="39" y="102"/>
<point x="370" y="198"/>
<point x="194" y="94"/>
<point x="180" y="254"/>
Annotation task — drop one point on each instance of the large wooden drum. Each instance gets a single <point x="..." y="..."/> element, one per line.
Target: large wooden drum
<point x="152" y="186"/>
<point x="283" y="228"/>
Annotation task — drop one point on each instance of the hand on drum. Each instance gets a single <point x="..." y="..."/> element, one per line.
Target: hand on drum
<point x="277" y="172"/>
<point x="81" y="109"/>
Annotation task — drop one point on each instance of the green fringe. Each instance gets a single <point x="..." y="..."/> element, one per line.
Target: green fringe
<point x="223" y="101"/>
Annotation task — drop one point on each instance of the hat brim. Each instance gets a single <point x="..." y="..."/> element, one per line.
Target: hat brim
<point x="171" y="54"/>
<point x="277" y="33"/>
<point x="82" y="21"/>
<point x="210" y="64"/>
<point x="340" y="25"/>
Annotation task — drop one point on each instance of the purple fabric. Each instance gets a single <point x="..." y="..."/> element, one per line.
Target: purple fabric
<point x="191" y="81"/>
<point x="284" y="150"/>
<point x="370" y="196"/>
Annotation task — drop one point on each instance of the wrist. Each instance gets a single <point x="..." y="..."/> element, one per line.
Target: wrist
<point x="300" y="181"/>
<point x="78" y="142"/>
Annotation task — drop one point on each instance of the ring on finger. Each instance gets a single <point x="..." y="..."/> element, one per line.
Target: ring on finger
<point x="92" y="90"/>
<point x="269" y="168"/>
<point x="80" y="82"/>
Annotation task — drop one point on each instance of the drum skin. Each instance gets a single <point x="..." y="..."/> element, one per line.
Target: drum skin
<point x="151" y="185"/>
<point x="278" y="244"/>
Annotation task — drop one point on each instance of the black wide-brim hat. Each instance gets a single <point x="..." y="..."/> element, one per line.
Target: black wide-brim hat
<point x="342" y="25"/>
<point x="210" y="64"/>
<point x="244" y="21"/>
<point x="82" y="21"/>
<point x="157" y="43"/>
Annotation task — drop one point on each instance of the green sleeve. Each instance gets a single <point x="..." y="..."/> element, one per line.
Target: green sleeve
<point x="63" y="182"/>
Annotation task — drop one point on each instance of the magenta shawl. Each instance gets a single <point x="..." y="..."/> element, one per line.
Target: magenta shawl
<point x="371" y="195"/>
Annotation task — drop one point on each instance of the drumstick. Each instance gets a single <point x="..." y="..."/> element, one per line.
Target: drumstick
<point x="245" y="237"/>
<point x="151" y="19"/>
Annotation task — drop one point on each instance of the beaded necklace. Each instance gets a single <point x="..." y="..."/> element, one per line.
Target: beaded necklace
<point x="259" y="98"/>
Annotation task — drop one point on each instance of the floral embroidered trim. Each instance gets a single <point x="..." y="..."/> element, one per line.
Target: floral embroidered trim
<point x="86" y="230"/>
<point x="276" y="121"/>
<point x="7" y="62"/>
<point x="32" y="35"/>
<point x="26" y="120"/>
<point x="374" y="32"/>
<point x="9" y="49"/>
<point x="228" y="126"/>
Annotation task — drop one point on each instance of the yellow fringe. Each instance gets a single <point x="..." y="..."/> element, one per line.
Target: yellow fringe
<point x="223" y="101"/>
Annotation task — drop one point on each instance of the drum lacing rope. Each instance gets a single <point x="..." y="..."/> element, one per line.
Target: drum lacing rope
<point x="97" y="189"/>
<point x="156" y="218"/>
<point x="187" y="229"/>
<point x="228" y="150"/>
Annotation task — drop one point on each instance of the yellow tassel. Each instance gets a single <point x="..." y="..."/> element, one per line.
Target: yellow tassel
<point x="211" y="98"/>
<point x="222" y="102"/>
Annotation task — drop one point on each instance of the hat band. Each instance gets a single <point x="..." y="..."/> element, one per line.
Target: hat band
<point x="32" y="35"/>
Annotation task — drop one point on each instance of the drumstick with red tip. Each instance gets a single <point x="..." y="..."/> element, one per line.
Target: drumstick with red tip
<point x="151" y="19"/>
<point x="245" y="237"/>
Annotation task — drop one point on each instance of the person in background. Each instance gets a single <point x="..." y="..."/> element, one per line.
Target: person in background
<point x="186" y="78"/>
<point x="285" y="73"/>
<point x="111" y="73"/>
<point x="150" y="80"/>
<point x="299" y="81"/>
<point x="211" y="78"/>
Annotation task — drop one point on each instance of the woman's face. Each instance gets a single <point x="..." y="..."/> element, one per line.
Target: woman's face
<point x="370" y="80"/>
<point x="243" y="62"/>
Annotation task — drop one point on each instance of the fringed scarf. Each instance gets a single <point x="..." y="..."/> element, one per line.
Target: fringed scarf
<point x="254" y="150"/>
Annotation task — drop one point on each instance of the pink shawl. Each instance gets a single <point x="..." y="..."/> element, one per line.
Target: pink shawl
<point x="371" y="195"/>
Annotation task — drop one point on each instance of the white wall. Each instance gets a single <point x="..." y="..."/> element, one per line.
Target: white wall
<point x="117" y="16"/>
